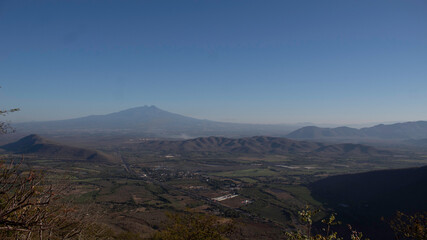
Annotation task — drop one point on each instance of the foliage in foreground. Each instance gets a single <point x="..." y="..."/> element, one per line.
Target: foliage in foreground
<point x="409" y="226"/>
<point x="4" y="126"/>
<point x="306" y="216"/>
<point x="31" y="209"/>
<point x="195" y="226"/>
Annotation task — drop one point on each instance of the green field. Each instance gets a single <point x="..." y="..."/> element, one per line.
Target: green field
<point x="258" y="172"/>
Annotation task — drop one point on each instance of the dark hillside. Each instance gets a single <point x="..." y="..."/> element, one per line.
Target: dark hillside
<point x="36" y="145"/>
<point x="262" y="145"/>
<point x="362" y="199"/>
<point x="350" y="149"/>
<point x="258" y="145"/>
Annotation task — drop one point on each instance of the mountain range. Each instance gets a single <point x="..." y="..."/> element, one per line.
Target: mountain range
<point x="259" y="145"/>
<point x="398" y="131"/>
<point x="150" y="121"/>
<point x="42" y="147"/>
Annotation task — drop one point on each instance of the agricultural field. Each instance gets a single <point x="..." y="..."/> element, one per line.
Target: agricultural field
<point x="266" y="191"/>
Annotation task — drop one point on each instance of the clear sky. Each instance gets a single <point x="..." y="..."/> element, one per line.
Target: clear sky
<point x="241" y="61"/>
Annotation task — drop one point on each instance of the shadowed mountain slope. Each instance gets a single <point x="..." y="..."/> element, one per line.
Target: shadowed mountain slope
<point x="36" y="145"/>
<point x="350" y="149"/>
<point x="313" y="132"/>
<point x="242" y="145"/>
<point x="358" y="189"/>
<point x="257" y="145"/>
<point x="418" y="142"/>
<point x="153" y="122"/>
<point x="407" y="130"/>
<point x="363" y="198"/>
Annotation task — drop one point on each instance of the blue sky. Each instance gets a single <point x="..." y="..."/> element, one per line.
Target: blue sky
<point x="242" y="61"/>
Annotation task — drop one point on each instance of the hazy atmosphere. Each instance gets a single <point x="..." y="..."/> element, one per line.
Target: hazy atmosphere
<point x="344" y="62"/>
<point x="213" y="120"/>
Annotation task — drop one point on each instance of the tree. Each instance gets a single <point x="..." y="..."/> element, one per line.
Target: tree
<point x="31" y="208"/>
<point x="194" y="226"/>
<point x="5" y="126"/>
<point x="409" y="226"/>
<point x="23" y="201"/>
<point x="306" y="216"/>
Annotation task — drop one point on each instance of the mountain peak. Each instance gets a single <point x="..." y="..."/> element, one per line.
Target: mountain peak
<point x="33" y="139"/>
<point x="26" y="143"/>
<point x="142" y="108"/>
<point x="150" y="120"/>
<point x="147" y="107"/>
<point x="36" y="145"/>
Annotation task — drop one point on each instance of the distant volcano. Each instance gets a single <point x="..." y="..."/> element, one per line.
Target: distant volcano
<point x="154" y="122"/>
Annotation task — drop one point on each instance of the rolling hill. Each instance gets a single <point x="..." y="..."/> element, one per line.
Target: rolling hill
<point x="350" y="149"/>
<point x="400" y="131"/>
<point x="258" y="145"/>
<point x="422" y="143"/>
<point x="243" y="145"/>
<point x="36" y="145"/>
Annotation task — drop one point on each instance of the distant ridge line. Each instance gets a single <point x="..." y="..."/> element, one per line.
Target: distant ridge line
<point x="150" y="121"/>
<point x="258" y="145"/>
<point x="406" y="130"/>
